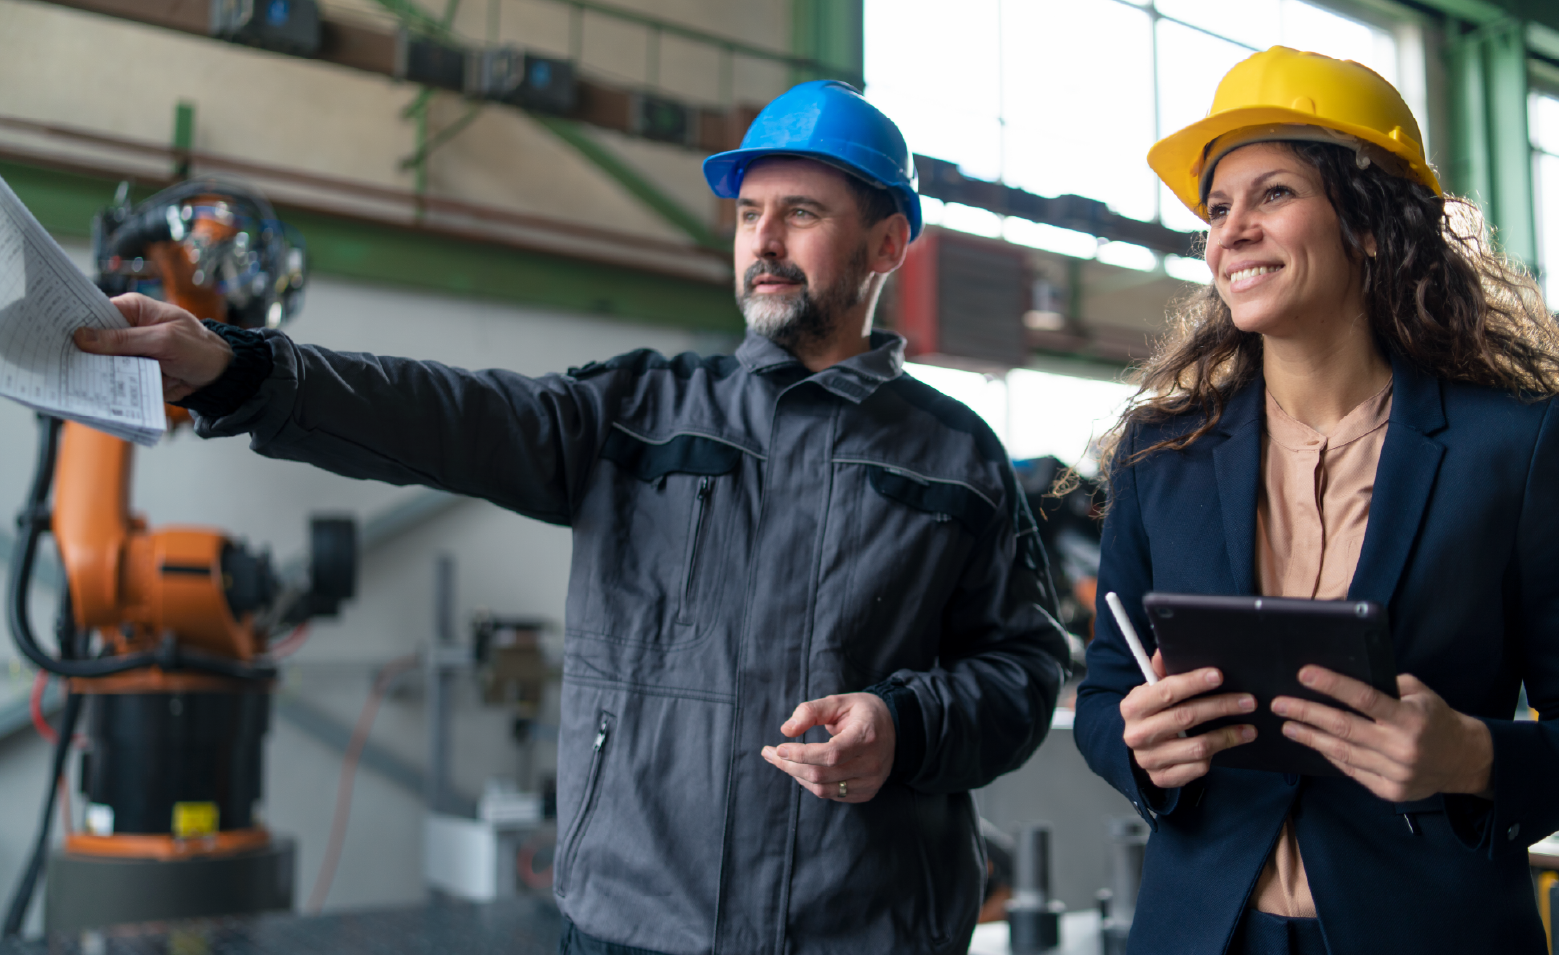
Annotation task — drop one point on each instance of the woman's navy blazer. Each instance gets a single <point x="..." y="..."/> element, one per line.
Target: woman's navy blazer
<point x="1462" y="547"/>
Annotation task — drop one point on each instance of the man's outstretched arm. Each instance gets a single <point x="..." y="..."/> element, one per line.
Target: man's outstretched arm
<point x="523" y="443"/>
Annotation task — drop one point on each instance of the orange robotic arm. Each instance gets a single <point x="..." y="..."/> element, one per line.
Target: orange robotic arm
<point x="132" y="585"/>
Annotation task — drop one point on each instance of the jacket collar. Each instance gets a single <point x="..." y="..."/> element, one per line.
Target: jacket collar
<point x="1409" y="461"/>
<point x="853" y="379"/>
<point x="1237" y="466"/>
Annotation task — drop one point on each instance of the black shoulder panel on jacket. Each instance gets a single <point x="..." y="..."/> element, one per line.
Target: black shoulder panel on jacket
<point x="645" y="360"/>
<point x="953" y="414"/>
<point x="685" y="454"/>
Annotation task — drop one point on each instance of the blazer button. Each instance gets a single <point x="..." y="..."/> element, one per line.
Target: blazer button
<point x="1513" y="831"/>
<point x="1291" y="778"/>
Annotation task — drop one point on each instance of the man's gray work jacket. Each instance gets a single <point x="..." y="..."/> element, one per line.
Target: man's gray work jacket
<point x="747" y="536"/>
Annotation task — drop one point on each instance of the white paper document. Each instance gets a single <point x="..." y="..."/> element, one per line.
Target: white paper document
<point x="43" y="299"/>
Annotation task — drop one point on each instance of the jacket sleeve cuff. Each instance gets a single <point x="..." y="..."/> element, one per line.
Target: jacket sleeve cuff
<point x="909" y="748"/>
<point x="1151" y="801"/>
<point x="1523" y="778"/>
<point x="251" y="365"/>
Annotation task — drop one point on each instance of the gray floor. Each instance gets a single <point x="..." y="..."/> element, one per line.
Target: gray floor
<point x="521" y="926"/>
<point x="1057" y="787"/>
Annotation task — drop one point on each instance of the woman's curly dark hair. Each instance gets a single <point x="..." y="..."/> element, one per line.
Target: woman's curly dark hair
<point x="1438" y="294"/>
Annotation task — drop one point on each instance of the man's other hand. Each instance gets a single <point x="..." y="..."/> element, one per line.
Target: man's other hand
<point x="860" y="754"/>
<point x="190" y="354"/>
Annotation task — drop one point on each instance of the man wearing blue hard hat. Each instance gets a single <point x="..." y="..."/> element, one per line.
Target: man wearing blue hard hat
<point x="808" y="610"/>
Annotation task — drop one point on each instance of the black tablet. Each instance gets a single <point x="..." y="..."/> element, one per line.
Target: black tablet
<point x="1260" y="643"/>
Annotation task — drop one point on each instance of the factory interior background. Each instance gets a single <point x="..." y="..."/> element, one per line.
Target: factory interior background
<point x="443" y="223"/>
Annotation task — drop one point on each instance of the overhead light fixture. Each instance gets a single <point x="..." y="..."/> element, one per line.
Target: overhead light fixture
<point x="423" y="60"/>
<point x="661" y="119"/>
<point x="285" y="26"/>
<point x="508" y="75"/>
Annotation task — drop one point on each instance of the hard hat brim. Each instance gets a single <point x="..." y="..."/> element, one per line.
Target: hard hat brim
<point x="724" y="172"/>
<point x="1177" y="158"/>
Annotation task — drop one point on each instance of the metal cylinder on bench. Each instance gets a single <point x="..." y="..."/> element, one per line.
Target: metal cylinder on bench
<point x="1033" y="914"/>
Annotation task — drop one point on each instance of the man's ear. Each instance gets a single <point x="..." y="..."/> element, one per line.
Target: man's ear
<point x="889" y="243"/>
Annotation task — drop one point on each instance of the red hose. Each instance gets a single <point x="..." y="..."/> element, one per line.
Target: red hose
<point x="354" y="752"/>
<point x="35" y="707"/>
<point x="291" y="643"/>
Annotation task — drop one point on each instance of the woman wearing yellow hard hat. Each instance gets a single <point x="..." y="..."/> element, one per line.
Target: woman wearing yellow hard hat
<point x="1359" y="406"/>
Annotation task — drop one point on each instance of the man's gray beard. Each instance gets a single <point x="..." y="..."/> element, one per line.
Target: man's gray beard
<point x="800" y="319"/>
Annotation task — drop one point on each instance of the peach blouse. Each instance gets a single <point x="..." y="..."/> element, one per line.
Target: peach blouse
<point x="1311" y="513"/>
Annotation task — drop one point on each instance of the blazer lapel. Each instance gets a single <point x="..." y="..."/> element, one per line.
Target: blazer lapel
<point x="1237" y="464"/>
<point x="1409" y="462"/>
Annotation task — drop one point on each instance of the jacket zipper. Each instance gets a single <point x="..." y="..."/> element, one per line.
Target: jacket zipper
<point x="587" y="808"/>
<point x="706" y="486"/>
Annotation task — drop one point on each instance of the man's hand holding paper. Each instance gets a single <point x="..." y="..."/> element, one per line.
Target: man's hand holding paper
<point x="189" y="355"/>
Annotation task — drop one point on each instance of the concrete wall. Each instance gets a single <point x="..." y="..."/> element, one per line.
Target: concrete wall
<point x="57" y="66"/>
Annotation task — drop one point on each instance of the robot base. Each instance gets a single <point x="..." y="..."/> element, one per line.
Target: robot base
<point x="91" y="892"/>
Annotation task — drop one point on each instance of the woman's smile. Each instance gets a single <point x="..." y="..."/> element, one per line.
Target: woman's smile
<point x="1275" y="247"/>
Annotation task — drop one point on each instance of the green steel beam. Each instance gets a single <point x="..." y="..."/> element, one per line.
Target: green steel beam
<point x="1491" y="159"/>
<point x="184" y="126"/>
<point x="1482" y="12"/>
<point x="413" y="17"/>
<point x="1467" y="173"/>
<point x="183" y="137"/>
<point x="1515" y="195"/>
<point x="629" y="178"/>
<point x="389" y="255"/>
<point x="833" y="33"/>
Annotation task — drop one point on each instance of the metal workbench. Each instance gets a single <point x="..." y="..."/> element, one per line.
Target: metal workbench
<point x="518" y="926"/>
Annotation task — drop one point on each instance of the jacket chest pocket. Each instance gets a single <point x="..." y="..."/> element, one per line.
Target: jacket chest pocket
<point x="941" y="500"/>
<point x="656" y="563"/>
<point x="910" y="541"/>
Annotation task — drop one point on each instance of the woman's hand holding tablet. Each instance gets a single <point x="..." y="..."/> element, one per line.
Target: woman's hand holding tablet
<point x="1158" y="715"/>
<point x="1405" y="750"/>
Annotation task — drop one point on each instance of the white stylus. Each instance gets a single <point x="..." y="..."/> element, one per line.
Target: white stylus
<point x="1130" y="633"/>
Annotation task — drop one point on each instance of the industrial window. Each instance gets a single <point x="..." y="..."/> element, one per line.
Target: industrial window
<point x="1066" y="96"/>
<point x="1544" y="123"/>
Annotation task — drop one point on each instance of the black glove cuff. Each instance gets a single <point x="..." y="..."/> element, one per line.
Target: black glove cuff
<point x="909" y="724"/>
<point x="251" y="365"/>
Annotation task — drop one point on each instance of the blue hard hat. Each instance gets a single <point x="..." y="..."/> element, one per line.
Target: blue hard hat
<point x="833" y="123"/>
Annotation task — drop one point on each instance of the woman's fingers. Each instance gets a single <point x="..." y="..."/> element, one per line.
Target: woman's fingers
<point x="1146" y="699"/>
<point x="1170" y="723"/>
<point x="1413" y="747"/>
<point x="1335" y="723"/>
<point x="1343" y="753"/>
<point x="1355" y="693"/>
<point x="1175" y="762"/>
<point x="1158" y="718"/>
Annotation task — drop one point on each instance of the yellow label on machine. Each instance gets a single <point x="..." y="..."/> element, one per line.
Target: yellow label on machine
<point x="192" y="820"/>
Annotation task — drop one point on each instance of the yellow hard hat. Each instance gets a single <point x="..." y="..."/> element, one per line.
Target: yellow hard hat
<point x="1283" y="95"/>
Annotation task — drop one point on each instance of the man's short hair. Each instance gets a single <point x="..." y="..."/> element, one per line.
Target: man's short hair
<point x="874" y="203"/>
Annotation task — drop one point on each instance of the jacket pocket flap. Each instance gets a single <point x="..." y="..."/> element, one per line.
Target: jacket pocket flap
<point x="684" y="454"/>
<point x="946" y="501"/>
<point x="1435" y="803"/>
